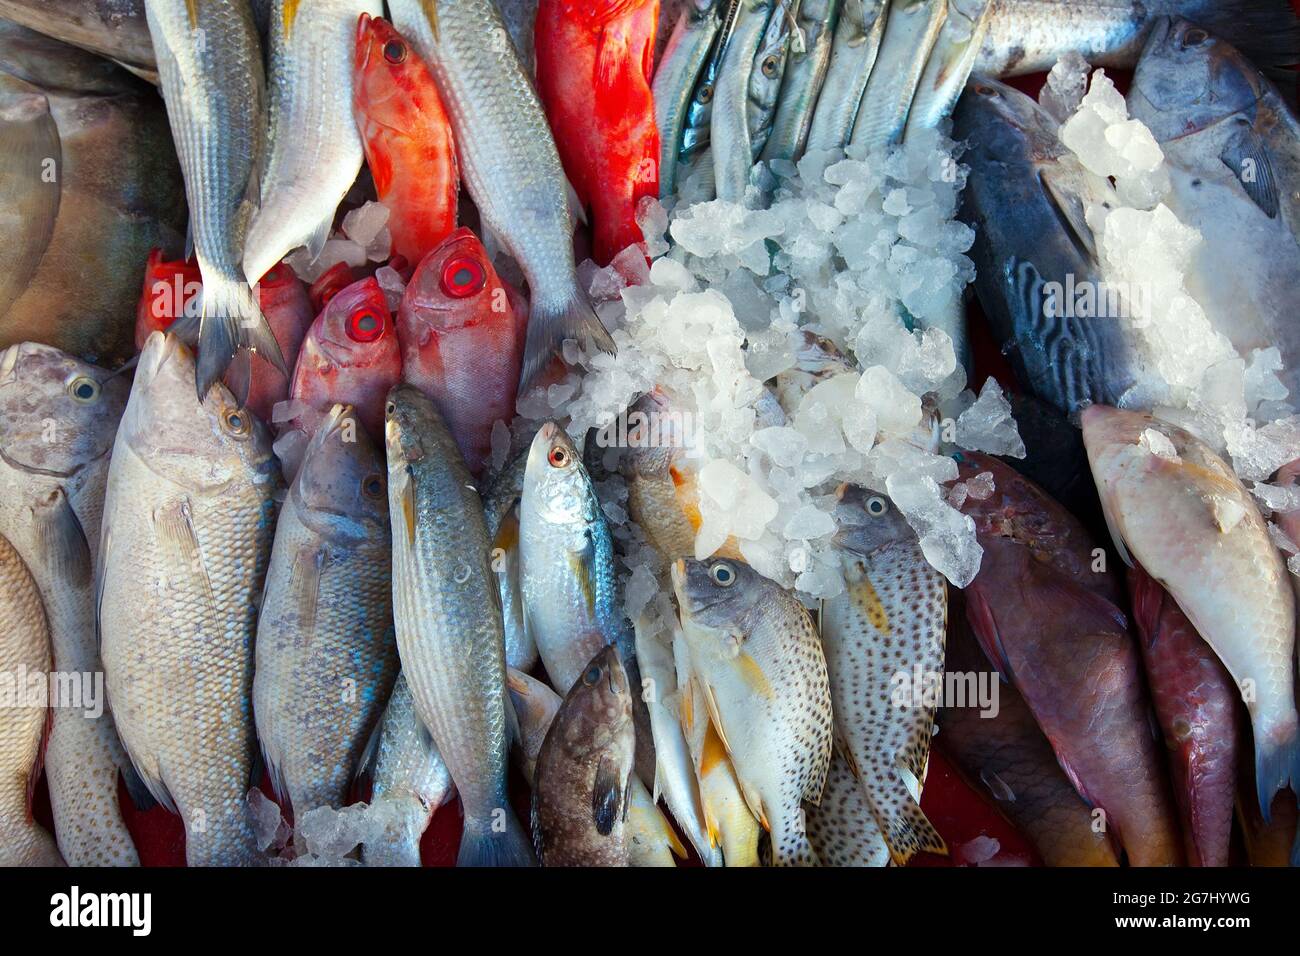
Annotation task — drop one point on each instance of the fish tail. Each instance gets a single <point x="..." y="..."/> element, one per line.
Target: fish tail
<point x="231" y="320"/>
<point x="549" y="324"/>
<point x="497" y="841"/>
<point x="1277" y="763"/>
<point x="790" y="843"/>
<point x="905" y="827"/>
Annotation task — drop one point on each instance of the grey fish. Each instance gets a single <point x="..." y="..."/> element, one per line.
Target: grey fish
<point x="501" y="509"/>
<point x="51" y="504"/>
<point x="326" y="653"/>
<point x="699" y="113"/>
<point x="313" y="149"/>
<point x="580" y="791"/>
<point x="950" y="63"/>
<point x="675" y="81"/>
<point x="188" y="522"/>
<point x="410" y="780"/>
<point x="520" y="17"/>
<point x="729" y="138"/>
<point x="1028" y="36"/>
<point x="768" y="75"/>
<point x="911" y="30"/>
<point x="804" y="73"/>
<point x="24" y="650"/>
<point x="509" y="164"/>
<point x="1028" y="195"/>
<point x="112" y="28"/>
<point x="449" y="630"/>
<point x="854" y="51"/>
<point x="86" y="163"/>
<point x="1232" y="148"/>
<point x="210" y="67"/>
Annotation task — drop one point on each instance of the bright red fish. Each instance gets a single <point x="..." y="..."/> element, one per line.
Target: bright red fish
<point x="595" y="60"/>
<point x="288" y="311"/>
<point x="329" y="283"/>
<point x="1196" y="703"/>
<point x="462" y="331"/>
<point x="350" y="355"/>
<point x="170" y="285"/>
<point x="406" y="137"/>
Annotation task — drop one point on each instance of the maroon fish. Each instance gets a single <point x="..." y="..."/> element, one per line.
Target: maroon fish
<point x="1047" y="613"/>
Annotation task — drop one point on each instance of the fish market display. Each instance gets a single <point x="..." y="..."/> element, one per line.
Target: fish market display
<point x="189" y="518"/>
<point x="326" y="654"/>
<point x="594" y="64"/>
<point x="24" y="648"/>
<point x="449" y="631"/>
<point x="462" y="330"/>
<point x="53" y="473"/>
<point x="406" y="137"/>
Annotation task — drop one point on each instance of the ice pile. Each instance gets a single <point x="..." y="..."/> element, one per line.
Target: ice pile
<point x="364" y="238"/>
<point x="811" y="343"/>
<point x="388" y="829"/>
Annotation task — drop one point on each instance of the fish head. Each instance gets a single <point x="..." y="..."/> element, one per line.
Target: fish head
<point x="281" y="286"/>
<point x="407" y="413"/>
<point x="341" y="490"/>
<point x="556" y="486"/>
<point x="57" y="413"/>
<point x="721" y="597"/>
<point x="1188" y="79"/>
<point x="598" y="708"/>
<point x="657" y="434"/>
<point x="388" y="77"/>
<point x="454" y="287"/>
<point x="535" y="706"/>
<point x="353" y="334"/>
<point x="1005" y="124"/>
<point x="867" y="522"/>
<point x="201" y="447"/>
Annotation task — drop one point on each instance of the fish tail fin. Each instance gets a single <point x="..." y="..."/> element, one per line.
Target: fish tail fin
<point x="496" y="842"/>
<point x="1277" y="763"/>
<point x="231" y="320"/>
<point x="904" y="825"/>
<point x="790" y="843"/>
<point x="550" y="324"/>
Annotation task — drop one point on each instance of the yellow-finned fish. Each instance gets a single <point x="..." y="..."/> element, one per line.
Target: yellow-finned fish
<point x="758" y="658"/>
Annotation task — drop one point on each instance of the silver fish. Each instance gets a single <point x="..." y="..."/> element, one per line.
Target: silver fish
<point x="854" y="50"/>
<point x="501" y="509"/>
<point x="809" y="60"/>
<point x="699" y="112"/>
<point x="210" y="66"/>
<point x="58" y="418"/>
<point x="950" y="63"/>
<point x="313" y="149"/>
<point x="729" y="140"/>
<point x="24" y="657"/>
<point x="675" y="81"/>
<point x="410" y="780"/>
<point x="910" y="33"/>
<point x="449" y="630"/>
<point x="509" y="163"/>
<point x="188" y="522"/>
<point x="768" y="75"/>
<point x="326" y="653"/>
<point x="112" y="28"/>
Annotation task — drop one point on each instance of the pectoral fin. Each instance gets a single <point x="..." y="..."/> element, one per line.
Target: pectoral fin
<point x="61" y="539"/>
<point x="1247" y="157"/>
<point x="607" y="797"/>
<point x="180" y="545"/>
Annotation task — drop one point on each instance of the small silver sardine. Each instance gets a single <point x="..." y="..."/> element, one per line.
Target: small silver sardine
<point x="804" y="73"/>
<point x="729" y="140"/>
<point x="854" y="50"/>
<point x="911" y="30"/>
<point x="950" y="63"/>
<point x="675" y="81"/>
<point x="768" y="75"/>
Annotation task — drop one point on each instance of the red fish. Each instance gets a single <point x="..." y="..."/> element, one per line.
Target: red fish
<point x="329" y="283"/>
<point x="350" y="355"/>
<point x="595" y="60"/>
<point x="1047" y="613"/>
<point x="462" y="329"/>
<point x="1196" y="703"/>
<point x="406" y="137"/>
<point x="170" y="286"/>
<point x="288" y="311"/>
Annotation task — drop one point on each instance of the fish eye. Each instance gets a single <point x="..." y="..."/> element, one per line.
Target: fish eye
<point x="390" y="408"/>
<point x="705" y="95"/>
<point x="236" y="422"/>
<point x="83" y="390"/>
<point x="769" y="66"/>
<point x="372" y="486"/>
<point x="558" y="456"/>
<point x="877" y="506"/>
<point x="983" y="89"/>
<point x="1194" y="36"/>
<point x="723" y="574"/>
<point x="463" y="277"/>
<point x="365" y="326"/>
<point x="592" y="675"/>
<point x="394" y="51"/>
<point x="274" y="275"/>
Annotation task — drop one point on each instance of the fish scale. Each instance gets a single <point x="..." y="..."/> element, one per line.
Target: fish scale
<point x="890" y="621"/>
<point x="841" y="828"/>
<point x="757" y="654"/>
<point x="189" y="518"/>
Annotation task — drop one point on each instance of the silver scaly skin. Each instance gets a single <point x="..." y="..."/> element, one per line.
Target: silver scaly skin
<point x="51" y="503"/>
<point x="189" y="518"/>
<point x="409" y="779"/>
<point x="449" y="628"/>
<point x="853" y="57"/>
<point x="509" y="163"/>
<point x="729" y="139"/>
<point x="892" y="619"/>
<point x="765" y="82"/>
<point x="501" y="509"/>
<point x="326" y="652"/>
<point x="805" y="72"/>
<point x="313" y="150"/>
<point x="675" y="78"/>
<point x="950" y="63"/>
<point x="210" y="68"/>
<point x="910" y="34"/>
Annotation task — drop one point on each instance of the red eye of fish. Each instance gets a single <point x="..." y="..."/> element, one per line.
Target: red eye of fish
<point x="463" y="277"/>
<point x="365" y="326"/>
<point x="558" y="457"/>
<point x="394" y="51"/>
